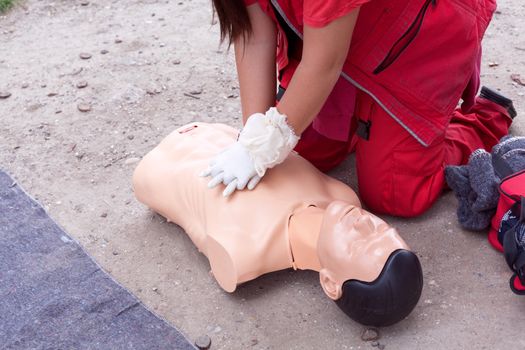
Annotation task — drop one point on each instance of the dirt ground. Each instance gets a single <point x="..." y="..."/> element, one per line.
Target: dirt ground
<point x="151" y="66"/>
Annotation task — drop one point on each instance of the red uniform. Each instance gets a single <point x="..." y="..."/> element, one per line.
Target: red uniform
<point x="409" y="64"/>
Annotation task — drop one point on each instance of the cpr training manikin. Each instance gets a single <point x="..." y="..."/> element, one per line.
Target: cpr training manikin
<point x="297" y="217"/>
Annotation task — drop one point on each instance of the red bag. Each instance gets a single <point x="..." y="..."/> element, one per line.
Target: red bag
<point x="507" y="232"/>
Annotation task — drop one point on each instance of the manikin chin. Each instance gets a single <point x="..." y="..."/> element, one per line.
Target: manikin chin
<point x="296" y="217"/>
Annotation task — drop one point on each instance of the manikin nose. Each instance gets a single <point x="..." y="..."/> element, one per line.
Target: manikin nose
<point x="390" y="297"/>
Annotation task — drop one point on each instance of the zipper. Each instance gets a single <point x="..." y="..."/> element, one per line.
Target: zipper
<point x="289" y="33"/>
<point x="514" y="197"/>
<point x="402" y="43"/>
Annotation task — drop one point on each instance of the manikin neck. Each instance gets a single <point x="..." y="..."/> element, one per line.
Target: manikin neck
<point x="304" y="230"/>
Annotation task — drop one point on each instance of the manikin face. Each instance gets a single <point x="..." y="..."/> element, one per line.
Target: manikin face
<point x="353" y="244"/>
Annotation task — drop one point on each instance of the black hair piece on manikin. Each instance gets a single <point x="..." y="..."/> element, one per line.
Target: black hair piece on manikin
<point x="390" y="297"/>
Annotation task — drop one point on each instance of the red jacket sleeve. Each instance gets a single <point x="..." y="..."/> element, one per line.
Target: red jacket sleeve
<point x="319" y="13"/>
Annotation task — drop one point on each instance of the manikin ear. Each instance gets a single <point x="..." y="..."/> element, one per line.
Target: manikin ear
<point x="330" y="286"/>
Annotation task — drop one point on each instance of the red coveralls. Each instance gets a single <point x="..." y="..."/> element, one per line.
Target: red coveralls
<point x="395" y="104"/>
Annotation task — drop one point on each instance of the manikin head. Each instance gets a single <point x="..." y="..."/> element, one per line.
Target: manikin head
<point x="366" y="268"/>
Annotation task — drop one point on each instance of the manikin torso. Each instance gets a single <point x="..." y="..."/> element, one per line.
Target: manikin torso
<point x="247" y="232"/>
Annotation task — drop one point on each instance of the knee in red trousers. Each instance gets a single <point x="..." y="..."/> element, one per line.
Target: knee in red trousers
<point x="398" y="181"/>
<point x="399" y="176"/>
<point x="396" y="174"/>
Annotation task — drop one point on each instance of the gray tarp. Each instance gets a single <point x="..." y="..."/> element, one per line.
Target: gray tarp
<point x="54" y="296"/>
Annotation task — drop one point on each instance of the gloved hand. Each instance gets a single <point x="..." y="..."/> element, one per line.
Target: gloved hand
<point x="234" y="167"/>
<point x="265" y="141"/>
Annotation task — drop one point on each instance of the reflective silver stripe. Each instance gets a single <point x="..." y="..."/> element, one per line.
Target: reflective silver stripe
<point x="281" y="12"/>
<point x="357" y="85"/>
<point x="352" y="81"/>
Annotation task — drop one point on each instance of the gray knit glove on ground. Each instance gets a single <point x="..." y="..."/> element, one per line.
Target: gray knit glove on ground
<point x="512" y="150"/>
<point x="476" y="184"/>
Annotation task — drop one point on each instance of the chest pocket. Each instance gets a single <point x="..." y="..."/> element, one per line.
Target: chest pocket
<point x="432" y="55"/>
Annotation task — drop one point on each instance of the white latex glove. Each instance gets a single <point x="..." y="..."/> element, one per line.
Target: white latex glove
<point x="234" y="168"/>
<point x="265" y="141"/>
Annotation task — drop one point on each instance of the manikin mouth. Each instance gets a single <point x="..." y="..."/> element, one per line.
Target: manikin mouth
<point x="390" y="297"/>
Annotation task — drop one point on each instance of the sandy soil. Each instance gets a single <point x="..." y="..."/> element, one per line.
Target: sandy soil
<point x="163" y="67"/>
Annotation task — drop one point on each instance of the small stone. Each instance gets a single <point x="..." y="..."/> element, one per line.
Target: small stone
<point x="85" y="55"/>
<point x="132" y="160"/>
<point x="153" y="91"/>
<point x="115" y="252"/>
<point x="162" y="44"/>
<point x="118" y="41"/>
<point x="35" y="106"/>
<point x="84" y="107"/>
<point x="104" y="52"/>
<point x="203" y="342"/>
<point x="104" y="215"/>
<point x="370" y="334"/>
<point x="4" y="94"/>
<point x="155" y="289"/>
<point x="517" y="79"/>
<point x="131" y="137"/>
<point x="375" y="344"/>
<point x="58" y="111"/>
<point x="254" y="342"/>
<point x="43" y="85"/>
<point x="493" y="64"/>
<point x="197" y="91"/>
<point x="82" y="84"/>
<point x="84" y="3"/>
<point x="176" y="62"/>
<point x="76" y="71"/>
<point x="52" y="94"/>
<point x="25" y="85"/>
